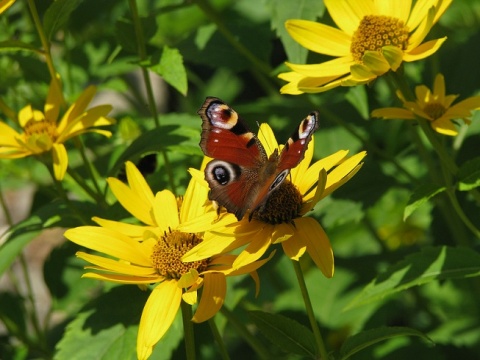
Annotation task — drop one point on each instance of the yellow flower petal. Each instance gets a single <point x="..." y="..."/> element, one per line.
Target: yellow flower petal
<point x="157" y="316"/>
<point x="213" y="296"/>
<point x="347" y="14"/>
<point x="425" y="50"/>
<point x="60" y="161"/>
<point x="108" y="242"/>
<point x="5" y="4"/>
<point x="319" y="38"/>
<point x="331" y="68"/>
<point x="8" y="136"/>
<point x="166" y="210"/>
<point x="54" y="100"/>
<point x="255" y="249"/>
<point x="392" y="113"/>
<point x="294" y="247"/>
<point x="132" y="230"/>
<point x="120" y="267"/>
<point x="123" y="279"/>
<point x="131" y="201"/>
<point x="318" y="244"/>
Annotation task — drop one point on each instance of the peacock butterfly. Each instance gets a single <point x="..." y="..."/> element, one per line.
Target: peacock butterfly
<point x="241" y="176"/>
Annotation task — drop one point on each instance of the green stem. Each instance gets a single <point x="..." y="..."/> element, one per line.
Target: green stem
<point x="309" y="309"/>
<point x="142" y="54"/>
<point x="98" y="196"/>
<point x="449" y="168"/>
<point x="239" y="326"/>
<point x="188" y="330"/>
<point x="45" y="45"/>
<point x="218" y="338"/>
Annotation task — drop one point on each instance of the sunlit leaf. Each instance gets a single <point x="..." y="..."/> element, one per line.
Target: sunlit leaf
<point x="420" y="196"/>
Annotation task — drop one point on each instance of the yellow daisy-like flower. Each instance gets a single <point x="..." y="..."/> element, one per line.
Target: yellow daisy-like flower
<point x="5" y="4"/>
<point x="151" y="254"/>
<point x="373" y="37"/>
<point x="434" y="106"/>
<point x="42" y="134"/>
<point x="283" y="218"/>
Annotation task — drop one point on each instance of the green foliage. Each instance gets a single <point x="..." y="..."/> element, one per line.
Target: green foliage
<point x="404" y="229"/>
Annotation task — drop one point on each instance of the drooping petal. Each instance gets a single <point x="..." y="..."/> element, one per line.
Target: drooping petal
<point x="213" y="296"/>
<point x="123" y="279"/>
<point x="318" y="37"/>
<point x="318" y="244"/>
<point x="60" y="161"/>
<point x="157" y="316"/>
<point x="445" y="127"/>
<point x="294" y="247"/>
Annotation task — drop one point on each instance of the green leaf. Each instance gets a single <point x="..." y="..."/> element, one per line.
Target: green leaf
<point x="469" y="175"/>
<point x="170" y="67"/>
<point x="430" y="264"/>
<point x="108" y="328"/>
<point x="285" y="333"/>
<point x="16" y="45"/>
<point x="57" y="15"/>
<point x="167" y="137"/>
<point x="281" y="11"/>
<point x="55" y="214"/>
<point x="370" y="337"/>
<point x="420" y="196"/>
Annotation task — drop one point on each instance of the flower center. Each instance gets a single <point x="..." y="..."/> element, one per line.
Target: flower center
<point x="42" y="127"/>
<point x="168" y="251"/>
<point x="282" y="206"/>
<point x="375" y="32"/>
<point x="434" y="110"/>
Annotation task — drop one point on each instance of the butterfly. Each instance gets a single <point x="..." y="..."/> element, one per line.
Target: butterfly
<point x="241" y="176"/>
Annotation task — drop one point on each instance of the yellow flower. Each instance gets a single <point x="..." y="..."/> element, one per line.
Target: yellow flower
<point x="283" y="218"/>
<point x="373" y="37"/>
<point x="434" y="106"/>
<point x="151" y="253"/>
<point x="5" y="4"/>
<point x="42" y="134"/>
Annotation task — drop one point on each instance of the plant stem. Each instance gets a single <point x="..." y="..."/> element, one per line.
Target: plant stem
<point x="142" y="54"/>
<point x="309" y="309"/>
<point x="45" y="45"/>
<point x="188" y="330"/>
<point x="239" y="326"/>
<point x="218" y="338"/>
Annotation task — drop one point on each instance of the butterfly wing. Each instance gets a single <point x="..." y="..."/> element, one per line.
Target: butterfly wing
<point x="294" y="149"/>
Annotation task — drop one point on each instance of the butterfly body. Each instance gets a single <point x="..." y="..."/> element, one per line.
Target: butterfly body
<point x="241" y="175"/>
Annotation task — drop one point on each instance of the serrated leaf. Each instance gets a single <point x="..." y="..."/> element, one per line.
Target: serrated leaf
<point x="430" y="264"/>
<point x="469" y="175"/>
<point x="16" y="45"/>
<point x="420" y="196"/>
<point x="281" y="11"/>
<point x="170" y="67"/>
<point x="370" y="337"/>
<point x="287" y="334"/>
<point x="57" y="15"/>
